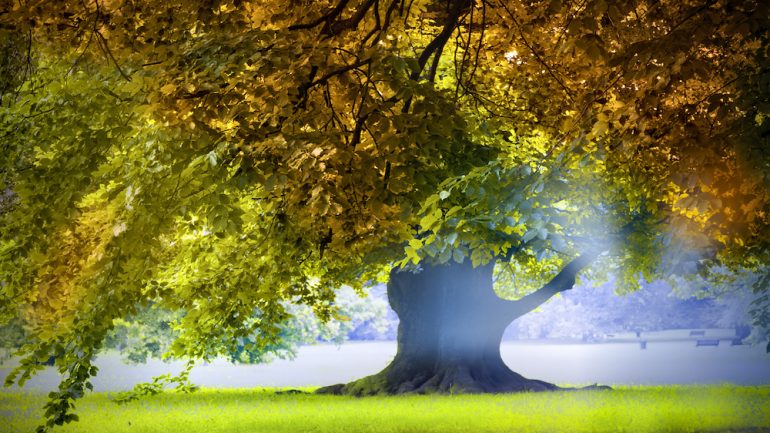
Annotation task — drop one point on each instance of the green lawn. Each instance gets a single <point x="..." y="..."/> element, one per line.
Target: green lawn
<point x="631" y="409"/>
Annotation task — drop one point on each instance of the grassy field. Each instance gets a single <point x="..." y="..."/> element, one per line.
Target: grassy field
<point x="630" y="409"/>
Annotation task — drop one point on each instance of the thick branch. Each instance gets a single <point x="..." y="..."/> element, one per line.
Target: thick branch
<point x="437" y="44"/>
<point x="563" y="281"/>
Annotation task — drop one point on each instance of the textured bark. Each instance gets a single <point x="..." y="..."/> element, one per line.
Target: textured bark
<point x="451" y="325"/>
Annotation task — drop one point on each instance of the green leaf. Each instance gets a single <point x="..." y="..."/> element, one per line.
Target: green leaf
<point x="458" y="255"/>
<point x="445" y="255"/>
<point x="211" y="157"/>
<point x="529" y="235"/>
<point x="452" y="211"/>
<point x="557" y="242"/>
<point x="429" y="221"/>
<point x="416" y="244"/>
<point x="412" y="255"/>
<point x="451" y="238"/>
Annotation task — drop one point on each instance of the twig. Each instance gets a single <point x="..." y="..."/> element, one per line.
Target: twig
<point x="534" y="52"/>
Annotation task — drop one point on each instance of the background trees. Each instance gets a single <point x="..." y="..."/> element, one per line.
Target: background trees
<point x="592" y="312"/>
<point x="150" y="332"/>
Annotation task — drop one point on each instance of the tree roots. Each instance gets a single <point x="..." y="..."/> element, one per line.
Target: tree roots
<point x="458" y="379"/>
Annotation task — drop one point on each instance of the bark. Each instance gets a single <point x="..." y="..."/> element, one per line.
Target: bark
<point x="451" y="325"/>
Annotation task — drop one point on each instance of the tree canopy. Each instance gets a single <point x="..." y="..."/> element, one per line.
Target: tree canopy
<point x="224" y="158"/>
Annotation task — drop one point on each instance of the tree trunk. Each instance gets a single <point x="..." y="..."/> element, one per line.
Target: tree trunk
<point x="451" y="325"/>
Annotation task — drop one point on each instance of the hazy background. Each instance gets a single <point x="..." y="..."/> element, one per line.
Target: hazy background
<point x="587" y="335"/>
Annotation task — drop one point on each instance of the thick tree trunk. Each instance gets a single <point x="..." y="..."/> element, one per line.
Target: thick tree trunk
<point x="451" y="324"/>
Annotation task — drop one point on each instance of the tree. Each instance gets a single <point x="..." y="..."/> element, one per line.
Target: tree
<point x="222" y="158"/>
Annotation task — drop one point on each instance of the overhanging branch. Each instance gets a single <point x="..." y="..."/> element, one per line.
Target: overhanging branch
<point x="563" y="281"/>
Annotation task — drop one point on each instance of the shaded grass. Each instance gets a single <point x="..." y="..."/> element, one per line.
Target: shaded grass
<point x="720" y="408"/>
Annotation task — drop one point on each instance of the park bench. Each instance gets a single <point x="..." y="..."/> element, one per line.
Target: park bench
<point x="709" y="342"/>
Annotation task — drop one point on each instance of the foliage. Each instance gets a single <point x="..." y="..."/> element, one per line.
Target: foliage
<point x="147" y="333"/>
<point x="228" y="158"/>
<point x="12" y="336"/>
<point x="639" y="409"/>
<point x="741" y="291"/>
<point x="150" y="332"/>
<point x="157" y="385"/>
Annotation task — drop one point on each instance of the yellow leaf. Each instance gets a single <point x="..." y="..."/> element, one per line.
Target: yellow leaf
<point x="168" y="89"/>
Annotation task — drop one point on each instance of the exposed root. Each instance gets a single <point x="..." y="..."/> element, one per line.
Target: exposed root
<point x="594" y="387"/>
<point x="291" y="391"/>
<point x="451" y="380"/>
<point x="336" y="389"/>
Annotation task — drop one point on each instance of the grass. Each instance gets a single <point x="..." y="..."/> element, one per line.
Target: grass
<point x="723" y="408"/>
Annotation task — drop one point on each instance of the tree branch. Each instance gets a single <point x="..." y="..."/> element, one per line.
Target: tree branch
<point x="338" y="27"/>
<point x="331" y="15"/>
<point x="534" y="52"/>
<point x="513" y="250"/>
<point x="437" y="44"/>
<point x="563" y="281"/>
<point x="340" y="71"/>
<point x="332" y="25"/>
